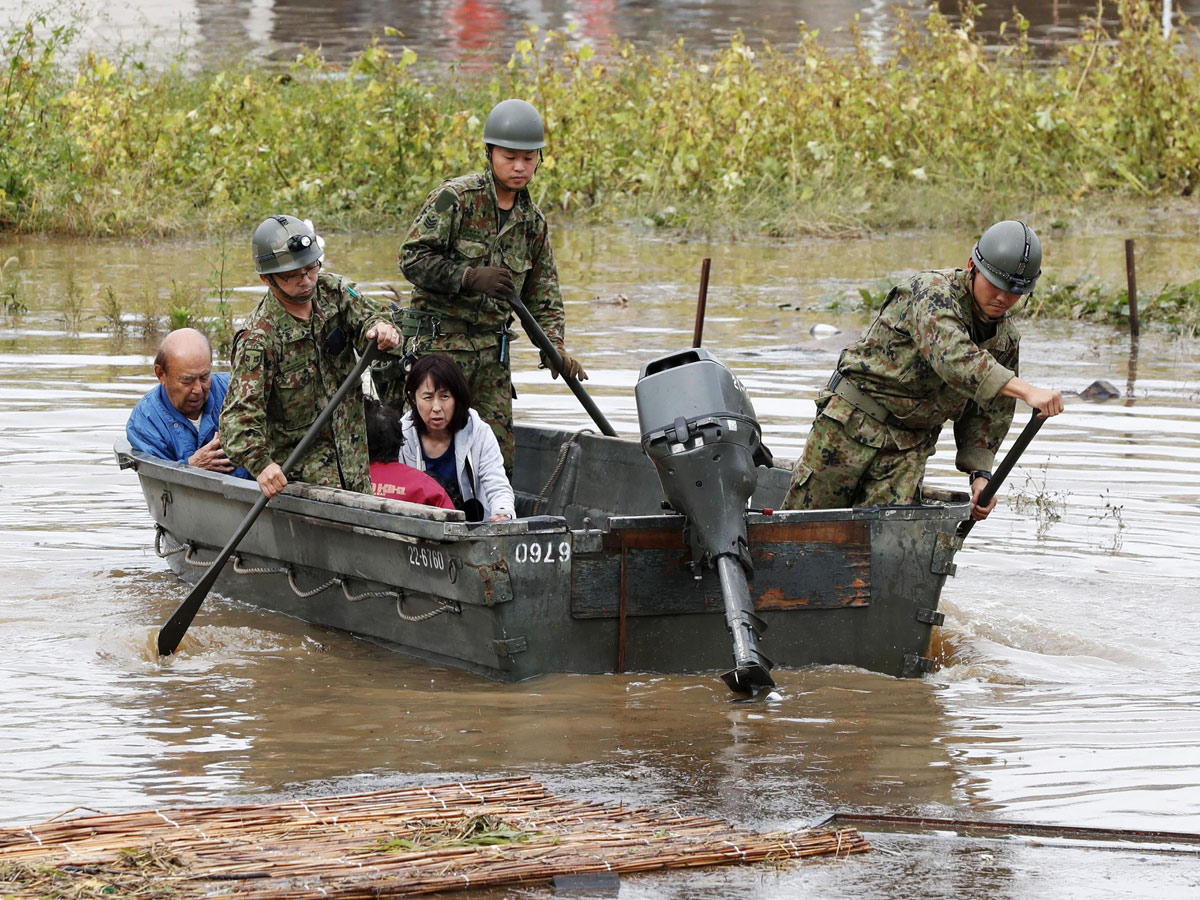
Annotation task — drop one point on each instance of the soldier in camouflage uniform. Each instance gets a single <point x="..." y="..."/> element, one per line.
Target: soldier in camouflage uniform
<point x="941" y="348"/>
<point x="479" y="240"/>
<point x="294" y="352"/>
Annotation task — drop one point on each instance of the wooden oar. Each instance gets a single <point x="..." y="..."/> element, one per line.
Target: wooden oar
<point x="986" y="495"/>
<point x="176" y="627"/>
<point x="534" y="330"/>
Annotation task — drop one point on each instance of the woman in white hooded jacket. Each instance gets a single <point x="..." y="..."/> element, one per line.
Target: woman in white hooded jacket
<point x="444" y="437"/>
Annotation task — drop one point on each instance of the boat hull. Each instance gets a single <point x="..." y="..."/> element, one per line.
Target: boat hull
<point x="582" y="589"/>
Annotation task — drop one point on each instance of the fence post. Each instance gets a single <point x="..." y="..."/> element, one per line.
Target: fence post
<point x="1131" y="281"/>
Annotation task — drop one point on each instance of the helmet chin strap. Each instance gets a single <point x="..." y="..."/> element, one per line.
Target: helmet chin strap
<point x="280" y="292"/>
<point x="976" y="309"/>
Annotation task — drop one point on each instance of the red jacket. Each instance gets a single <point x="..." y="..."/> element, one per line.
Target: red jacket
<point x="396" y="481"/>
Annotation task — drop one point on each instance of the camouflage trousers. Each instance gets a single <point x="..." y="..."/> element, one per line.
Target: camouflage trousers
<point x="837" y="471"/>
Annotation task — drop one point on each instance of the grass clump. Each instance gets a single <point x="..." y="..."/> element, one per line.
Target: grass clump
<point x="12" y="303"/>
<point x="1176" y="307"/>
<point x="478" y="831"/>
<point x="931" y="130"/>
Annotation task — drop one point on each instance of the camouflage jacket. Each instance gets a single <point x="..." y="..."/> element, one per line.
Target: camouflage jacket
<point x="459" y="227"/>
<point x="284" y="373"/>
<point x="927" y="359"/>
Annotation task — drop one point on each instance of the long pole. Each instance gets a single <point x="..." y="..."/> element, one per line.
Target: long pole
<point x="1131" y="282"/>
<point x="701" y="302"/>
<point x="534" y="330"/>
<point x="986" y="495"/>
<point x="176" y="627"/>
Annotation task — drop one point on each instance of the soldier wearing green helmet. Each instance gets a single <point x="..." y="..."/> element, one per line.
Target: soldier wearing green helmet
<point x="290" y="357"/>
<point x="478" y="240"/>
<point x="942" y="348"/>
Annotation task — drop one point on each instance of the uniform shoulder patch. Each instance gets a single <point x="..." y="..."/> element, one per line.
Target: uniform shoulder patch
<point x="252" y="357"/>
<point x="445" y="200"/>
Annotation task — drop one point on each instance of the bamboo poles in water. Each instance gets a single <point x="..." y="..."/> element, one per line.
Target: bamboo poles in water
<point x="389" y="843"/>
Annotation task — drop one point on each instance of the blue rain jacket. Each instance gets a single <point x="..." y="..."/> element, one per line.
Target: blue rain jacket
<point x="159" y="429"/>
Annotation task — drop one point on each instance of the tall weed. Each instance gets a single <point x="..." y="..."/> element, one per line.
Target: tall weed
<point x="932" y="129"/>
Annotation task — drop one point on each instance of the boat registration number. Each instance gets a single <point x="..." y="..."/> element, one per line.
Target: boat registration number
<point x="426" y="558"/>
<point x="543" y="552"/>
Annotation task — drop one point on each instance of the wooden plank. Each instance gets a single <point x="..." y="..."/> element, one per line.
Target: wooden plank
<point x="819" y="565"/>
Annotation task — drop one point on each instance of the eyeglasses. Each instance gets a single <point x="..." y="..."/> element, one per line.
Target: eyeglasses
<point x="299" y="274"/>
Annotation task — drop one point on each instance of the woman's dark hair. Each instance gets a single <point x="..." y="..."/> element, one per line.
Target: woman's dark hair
<point x="445" y="375"/>
<point x="385" y="433"/>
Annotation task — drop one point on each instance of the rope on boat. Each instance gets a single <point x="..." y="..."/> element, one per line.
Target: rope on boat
<point x="304" y="595"/>
<point x="563" y="452"/>
<point x="240" y="569"/>
<point x="159" y="531"/>
<point x="199" y="563"/>
<point x="445" y="607"/>
<point x="256" y="570"/>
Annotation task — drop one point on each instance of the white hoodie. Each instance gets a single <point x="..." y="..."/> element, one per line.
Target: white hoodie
<point x="477" y="460"/>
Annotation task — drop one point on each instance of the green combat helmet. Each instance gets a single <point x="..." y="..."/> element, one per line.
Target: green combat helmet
<point x="516" y="125"/>
<point x="283" y="244"/>
<point x="1009" y="255"/>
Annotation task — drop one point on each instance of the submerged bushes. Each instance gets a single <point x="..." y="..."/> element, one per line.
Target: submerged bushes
<point x="938" y="131"/>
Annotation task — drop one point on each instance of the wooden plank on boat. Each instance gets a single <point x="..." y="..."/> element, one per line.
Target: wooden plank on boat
<point x="797" y="565"/>
<point x="418" y="840"/>
<point x="371" y="503"/>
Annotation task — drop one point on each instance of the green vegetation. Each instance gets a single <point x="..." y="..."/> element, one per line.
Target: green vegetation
<point x="478" y="831"/>
<point x="939" y="132"/>
<point x="11" y="302"/>
<point x="1176" y="307"/>
<point x="73" y="305"/>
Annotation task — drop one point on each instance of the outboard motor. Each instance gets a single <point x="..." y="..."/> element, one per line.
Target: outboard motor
<point x="699" y="429"/>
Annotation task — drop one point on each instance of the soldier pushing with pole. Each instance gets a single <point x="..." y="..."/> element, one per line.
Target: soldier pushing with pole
<point x="478" y="241"/>
<point x="942" y="348"/>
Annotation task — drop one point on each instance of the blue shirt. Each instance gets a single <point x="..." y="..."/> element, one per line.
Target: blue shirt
<point x="156" y="427"/>
<point x="444" y="466"/>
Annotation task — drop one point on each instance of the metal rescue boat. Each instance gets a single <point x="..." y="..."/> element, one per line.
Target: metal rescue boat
<point x="651" y="557"/>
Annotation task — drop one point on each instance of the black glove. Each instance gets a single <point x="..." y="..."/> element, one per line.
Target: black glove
<point x="491" y="280"/>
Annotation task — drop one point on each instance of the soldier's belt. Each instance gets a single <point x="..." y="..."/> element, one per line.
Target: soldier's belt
<point x="858" y="398"/>
<point x="415" y="322"/>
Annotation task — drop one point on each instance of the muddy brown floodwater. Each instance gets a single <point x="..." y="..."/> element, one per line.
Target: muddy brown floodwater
<point x="1070" y="693"/>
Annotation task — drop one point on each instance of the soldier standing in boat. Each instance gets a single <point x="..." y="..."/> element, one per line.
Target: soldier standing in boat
<point x="479" y="240"/>
<point x="942" y="348"/>
<point x="295" y="350"/>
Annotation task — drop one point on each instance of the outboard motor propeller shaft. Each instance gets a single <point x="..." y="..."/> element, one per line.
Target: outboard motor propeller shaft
<point x="699" y="429"/>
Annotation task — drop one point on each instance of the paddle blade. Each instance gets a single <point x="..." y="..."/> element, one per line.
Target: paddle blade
<point x="171" y="634"/>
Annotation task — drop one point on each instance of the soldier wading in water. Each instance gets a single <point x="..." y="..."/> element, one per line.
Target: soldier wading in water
<point x="295" y="350"/>
<point x="942" y="348"/>
<point x="479" y="240"/>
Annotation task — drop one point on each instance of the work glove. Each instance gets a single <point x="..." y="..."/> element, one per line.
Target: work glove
<point x="570" y="363"/>
<point x="491" y="280"/>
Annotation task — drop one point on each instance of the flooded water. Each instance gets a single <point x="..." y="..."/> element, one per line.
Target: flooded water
<point x="475" y="34"/>
<point x="1071" y="693"/>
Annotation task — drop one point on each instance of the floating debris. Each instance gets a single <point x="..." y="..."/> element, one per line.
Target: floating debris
<point x="394" y="843"/>
<point x="619" y="300"/>
<point x="822" y="330"/>
<point x="1099" y="390"/>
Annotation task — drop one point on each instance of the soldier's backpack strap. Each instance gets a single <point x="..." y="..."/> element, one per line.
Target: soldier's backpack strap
<point x="237" y="336"/>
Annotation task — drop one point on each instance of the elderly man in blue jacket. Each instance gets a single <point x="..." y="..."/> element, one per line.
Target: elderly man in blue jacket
<point x="178" y="419"/>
